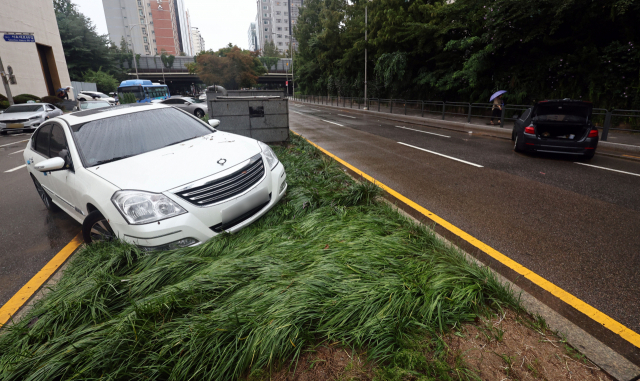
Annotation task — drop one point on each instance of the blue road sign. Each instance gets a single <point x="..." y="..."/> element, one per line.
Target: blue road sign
<point x="19" y="38"/>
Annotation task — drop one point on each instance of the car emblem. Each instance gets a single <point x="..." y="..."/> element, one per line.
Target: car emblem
<point x="222" y="161"/>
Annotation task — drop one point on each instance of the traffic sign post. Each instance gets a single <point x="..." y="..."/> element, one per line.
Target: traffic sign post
<point x="8" y="77"/>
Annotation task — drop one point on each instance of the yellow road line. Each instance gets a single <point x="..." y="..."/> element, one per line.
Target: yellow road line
<point x="556" y="291"/>
<point x="631" y="156"/>
<point x="18" y="300"/>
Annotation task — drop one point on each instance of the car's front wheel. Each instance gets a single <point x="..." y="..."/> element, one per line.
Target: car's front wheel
<point x="199" y="113"/>
<point x="95" y="228"/>
<point x="46" y="199"/>
<point x="516" y="146"/>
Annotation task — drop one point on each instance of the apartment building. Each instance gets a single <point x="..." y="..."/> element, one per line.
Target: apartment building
<point x="253" y="37"/>
<point x="197" y="42"/>
<point x="274" y="22"/>
<point x="149" y="26"/>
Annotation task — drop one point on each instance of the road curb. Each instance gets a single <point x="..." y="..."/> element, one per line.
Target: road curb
<point x="466" y="127"/>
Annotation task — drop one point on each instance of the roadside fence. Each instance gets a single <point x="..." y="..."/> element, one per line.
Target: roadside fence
<point x="473" y="113"/>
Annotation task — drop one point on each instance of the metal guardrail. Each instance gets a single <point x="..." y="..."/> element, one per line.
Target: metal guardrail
<point x="462" y="110"/>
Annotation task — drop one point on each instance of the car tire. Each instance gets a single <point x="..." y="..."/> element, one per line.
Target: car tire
<point x="95" y="227"/>
<point x="3" y="132"/>
<point x="513" y="135"/>
<point x="516" y="147"/>
<point x="44" y="196"/>
<point x="199" y="113"/>
<point x="588" y="156"/>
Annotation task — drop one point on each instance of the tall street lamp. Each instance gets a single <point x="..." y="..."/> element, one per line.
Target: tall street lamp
<point x="132" y="46"/>
<point x="366" y="103"/>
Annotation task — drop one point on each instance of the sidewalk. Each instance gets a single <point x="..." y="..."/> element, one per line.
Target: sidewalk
<point x="619" y="142"/>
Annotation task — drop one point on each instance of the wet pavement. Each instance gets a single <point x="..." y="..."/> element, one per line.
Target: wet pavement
<point x="573" y="224"/>
<point x="29" y="234"/>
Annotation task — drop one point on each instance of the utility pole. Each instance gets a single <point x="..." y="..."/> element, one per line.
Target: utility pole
<point x="293" y="82"/>
<point x="366" y="104"/>
<point x="5" y="81"/>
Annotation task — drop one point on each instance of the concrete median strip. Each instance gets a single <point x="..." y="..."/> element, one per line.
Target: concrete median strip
<point x="445" y="156"/>
<point x="586" y="309"/>
<point x="26" y="292"/>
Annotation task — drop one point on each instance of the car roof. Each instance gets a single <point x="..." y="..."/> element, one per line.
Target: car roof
<point x="30" y="104"/>
<point x="102" y="113"/>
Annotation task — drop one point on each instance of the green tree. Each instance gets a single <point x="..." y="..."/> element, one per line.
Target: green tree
<point x="105" y="82"/>
<point x="232" y="68"/>
<point x="167" y="59"/>
<point x="83" y="48"/>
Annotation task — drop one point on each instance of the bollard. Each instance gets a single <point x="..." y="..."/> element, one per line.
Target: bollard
<point x="405" y="108"/>
<point x="443" y="106"/>
<point x="469" y="115"/>
<point x="391" y="106"/>
<point x="502" y="117"/>
<point x="605" y="128"/>
<point x="422" y="108"/>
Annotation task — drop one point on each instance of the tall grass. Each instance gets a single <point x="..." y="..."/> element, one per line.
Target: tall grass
<point x="328" y="263"/>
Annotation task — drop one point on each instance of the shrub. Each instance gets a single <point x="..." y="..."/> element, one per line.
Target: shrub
<point x="24" y="98"/>
<point x="4" y="104"/>
<point x="105" y="82"/>
<point x="3" y="98"/>
<point x="51" y="99"/>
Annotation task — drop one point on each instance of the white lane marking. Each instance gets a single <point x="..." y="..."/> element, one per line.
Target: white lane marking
<point x="16" y="168"/>
<point x="609" y="169"/>
<point x="347" y="116"/>
<point x="337" y="124"/>
<point x="10" y="144"/>
<point x="313" y="109"/>
<point x="16" y="152"/>
<point x="424" y="132"/>
<point x="297" y="112"/>
<point x="439" y="154"/>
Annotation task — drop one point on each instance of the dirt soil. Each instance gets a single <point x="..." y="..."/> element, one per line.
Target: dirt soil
<point x="504" y="347"/>
<point x="512" y="347"/>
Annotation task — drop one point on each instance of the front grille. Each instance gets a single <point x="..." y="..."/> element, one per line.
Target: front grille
<point x="226" y="187"/>
<point x="14" y="121"/>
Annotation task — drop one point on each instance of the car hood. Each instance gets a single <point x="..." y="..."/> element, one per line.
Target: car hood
<point x="180" y="164"/>
<point x="19" y="115"/>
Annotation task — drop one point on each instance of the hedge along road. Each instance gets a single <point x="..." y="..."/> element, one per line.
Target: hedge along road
<point x="30" y="235"/>
<point x="574" y="225"/>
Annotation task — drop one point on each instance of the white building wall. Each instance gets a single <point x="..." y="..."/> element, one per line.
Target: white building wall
<point x="121" y="15"/>
<point x="274" y="21"/>
<point x="37" y="17"/>
<point x="197" y="41"/>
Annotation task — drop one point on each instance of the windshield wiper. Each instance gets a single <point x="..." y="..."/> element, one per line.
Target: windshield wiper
<point x="113" y="159"/>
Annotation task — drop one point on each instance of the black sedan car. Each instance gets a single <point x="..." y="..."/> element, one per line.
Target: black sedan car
<point x="557" y="126"/>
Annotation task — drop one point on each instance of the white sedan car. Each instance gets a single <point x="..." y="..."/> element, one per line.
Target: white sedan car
<point x="152" y="175"/>
<point x="26" y="117"/>
<point x="95" y="95"/>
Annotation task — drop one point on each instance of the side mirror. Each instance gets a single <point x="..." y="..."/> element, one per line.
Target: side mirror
<point x="53" y="164"/>
<point x="214" y="122"/>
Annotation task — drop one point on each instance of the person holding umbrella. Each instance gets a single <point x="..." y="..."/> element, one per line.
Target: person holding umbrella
<point x="63" y="92"/>
<point x="498" y="104"/>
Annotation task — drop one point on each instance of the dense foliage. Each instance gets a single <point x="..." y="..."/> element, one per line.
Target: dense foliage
<point x="466" y="50"/>
<point x="104" y="82"/>
<point x="230" y="67"/>
<point x="329" y="263"/>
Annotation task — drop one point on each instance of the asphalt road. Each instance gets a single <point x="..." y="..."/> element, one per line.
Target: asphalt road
<point x="29" y="234"/>
<point x="575" y="225"/>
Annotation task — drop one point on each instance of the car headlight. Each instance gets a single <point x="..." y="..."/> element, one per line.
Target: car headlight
<point x="140" y="208"/>
<point x="272" y="159"/>
<point x="36" y="117"/>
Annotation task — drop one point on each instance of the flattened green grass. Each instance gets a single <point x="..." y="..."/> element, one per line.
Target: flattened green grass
<point x="328" y="263"/>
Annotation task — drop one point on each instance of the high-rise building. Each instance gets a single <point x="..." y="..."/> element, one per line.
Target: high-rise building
<point x="253" y="37"/>
<point x="197" y="41"/>
<point x="275" y="20"/>
<point x="149" y="26"/>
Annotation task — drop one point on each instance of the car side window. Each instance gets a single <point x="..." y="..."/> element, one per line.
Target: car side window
<point x="42" y="140"/>
<point x="58" y="141"/>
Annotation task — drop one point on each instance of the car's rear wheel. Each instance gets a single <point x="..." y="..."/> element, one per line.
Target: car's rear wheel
<point x="3" y="132"/>
<point x="44" y="196"/>
<point x="199" y="113"/>
<point x="95" y="228"/>
<point x="513" y="135"/>
<point x="589" y="156"/>
<point x="516" y="147"/>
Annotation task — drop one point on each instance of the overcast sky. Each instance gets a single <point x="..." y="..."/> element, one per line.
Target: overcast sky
<point x="219" y="21"/>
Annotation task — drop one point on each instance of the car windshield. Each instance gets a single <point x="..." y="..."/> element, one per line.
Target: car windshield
<point x="29" y="108"/>
<point x="92" y="105"/>
<point x="122" y="136"/>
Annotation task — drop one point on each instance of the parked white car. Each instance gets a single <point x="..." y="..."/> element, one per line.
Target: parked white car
<point x="152" y="175"/>
<point x="95" y="95"/>
<point x="26" y="117"/>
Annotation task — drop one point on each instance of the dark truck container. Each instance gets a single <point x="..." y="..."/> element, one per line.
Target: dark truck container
<point x="557" y="126"/>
